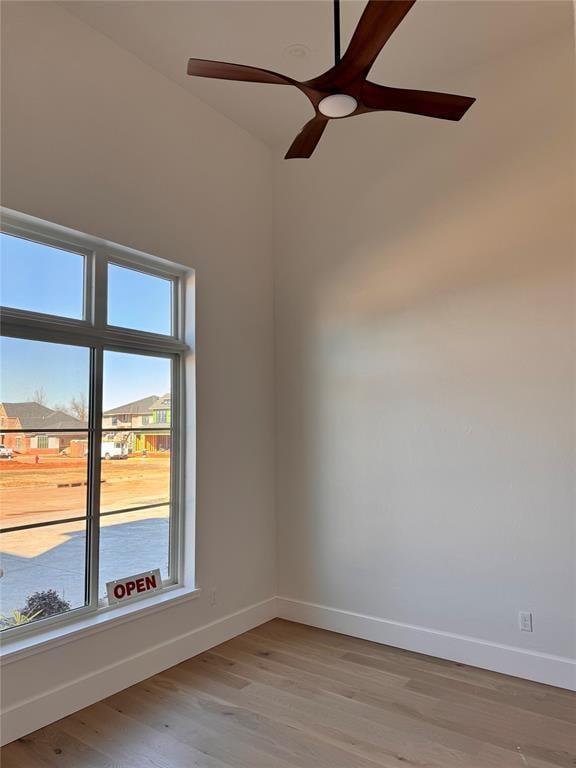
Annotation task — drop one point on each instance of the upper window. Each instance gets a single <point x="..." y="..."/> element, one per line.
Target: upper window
<point x="90" y="423"/>
<point x="139" y="300"/>
<point x="40" y="278"/>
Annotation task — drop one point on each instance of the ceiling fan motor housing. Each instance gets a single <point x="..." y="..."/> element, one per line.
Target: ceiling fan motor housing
<point x="338" y="105"/>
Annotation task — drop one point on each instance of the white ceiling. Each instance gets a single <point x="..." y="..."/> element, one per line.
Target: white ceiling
<point x="435" y="45"/>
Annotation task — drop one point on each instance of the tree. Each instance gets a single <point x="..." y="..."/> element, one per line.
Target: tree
<point x="77" y="406"/>
<point x="39" y="396"/>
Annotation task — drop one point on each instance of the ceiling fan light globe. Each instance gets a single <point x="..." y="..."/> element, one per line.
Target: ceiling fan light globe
<point x="338" y="105"/>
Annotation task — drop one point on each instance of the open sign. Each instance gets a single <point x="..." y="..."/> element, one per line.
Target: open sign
<point x="134" y="586"/>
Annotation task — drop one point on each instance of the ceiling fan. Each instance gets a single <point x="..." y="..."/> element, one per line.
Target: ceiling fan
<point x="344" y="91"/>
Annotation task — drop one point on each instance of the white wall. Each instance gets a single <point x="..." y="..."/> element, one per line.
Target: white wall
<point x="425" y="380"/>
<point x="95" y="140"/>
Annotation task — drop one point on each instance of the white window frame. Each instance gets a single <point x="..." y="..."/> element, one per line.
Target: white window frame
<point x="93" y="332"/>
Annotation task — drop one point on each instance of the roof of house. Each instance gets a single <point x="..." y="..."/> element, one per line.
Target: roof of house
<point x="136" y="407"/>
<point x="61" y="420"/>
<point x="35" y="416"/>
<point x="161" y="402"/>
<point x="28" y="410"/>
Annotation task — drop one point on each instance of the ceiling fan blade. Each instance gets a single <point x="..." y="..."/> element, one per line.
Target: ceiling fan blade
<point x="224" y="71"/>
<point x="445" y="106"/>
<point x="377" y="24"/>
<point x="305" y="143"/>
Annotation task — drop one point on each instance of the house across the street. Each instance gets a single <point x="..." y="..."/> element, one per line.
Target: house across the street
<point x="142" y="425"/>
<point x="42" y="425"/>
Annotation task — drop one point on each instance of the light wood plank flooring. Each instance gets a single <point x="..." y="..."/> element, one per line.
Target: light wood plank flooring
<point x="289" y="696"/>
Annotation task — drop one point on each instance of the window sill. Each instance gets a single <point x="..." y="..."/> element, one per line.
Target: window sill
<point x="22" y="647"/>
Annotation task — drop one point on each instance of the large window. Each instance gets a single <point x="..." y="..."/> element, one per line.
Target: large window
<point x="91" y="408"/>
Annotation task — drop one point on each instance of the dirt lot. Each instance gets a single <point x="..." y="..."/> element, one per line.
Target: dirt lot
<point x="56" y="487"/>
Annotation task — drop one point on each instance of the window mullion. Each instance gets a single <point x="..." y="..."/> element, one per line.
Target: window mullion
<point x="89" y="279"/>
<point x="100" y="290"/>
<point x="95" y="462"/>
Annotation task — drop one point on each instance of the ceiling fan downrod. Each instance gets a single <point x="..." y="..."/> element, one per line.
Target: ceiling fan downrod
<point x="337" y="56"/>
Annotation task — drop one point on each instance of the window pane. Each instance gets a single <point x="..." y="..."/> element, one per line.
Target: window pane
<point x="43" y="477"/>
<point x="133" y="542"/>
<point x="139" y="300"/>
<point x="40" y="278"/>
<point x="49" y="560"/>
<point x="136" y="438"/>
<point x="43" y="470"/>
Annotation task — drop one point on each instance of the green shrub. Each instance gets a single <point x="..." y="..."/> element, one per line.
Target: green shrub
<point x="46" y="603"/>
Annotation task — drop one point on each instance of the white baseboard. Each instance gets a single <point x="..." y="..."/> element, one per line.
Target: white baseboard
<point x="51" y="705"/>
<point x="509" y="660"/>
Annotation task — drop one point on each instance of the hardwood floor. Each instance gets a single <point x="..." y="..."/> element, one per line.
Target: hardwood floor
<point x="285" y="695"/>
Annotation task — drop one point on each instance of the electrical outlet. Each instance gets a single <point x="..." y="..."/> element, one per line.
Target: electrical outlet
<point x="212" y="596"/>
<point x="525" y="620"/>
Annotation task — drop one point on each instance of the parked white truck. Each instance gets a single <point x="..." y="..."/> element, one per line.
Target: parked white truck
<point x="113" y="450"/>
